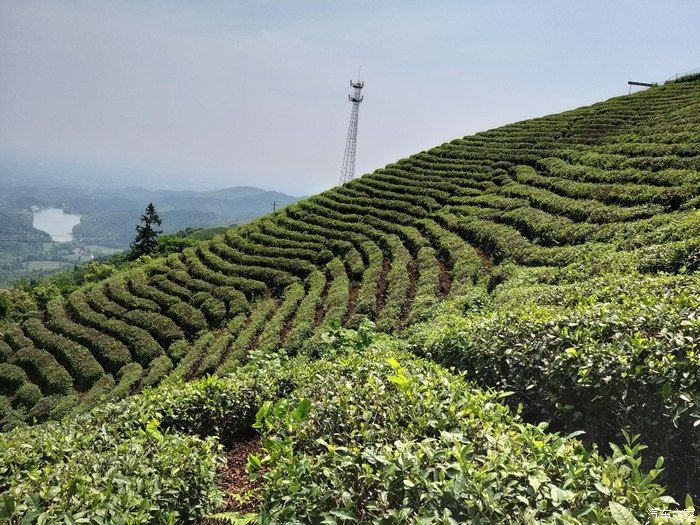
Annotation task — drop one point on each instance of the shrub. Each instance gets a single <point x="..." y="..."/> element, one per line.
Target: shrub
<point x="247" y="334"/>
<point x="141" y="344"/>
<point x="578" y="209"/>
<point x="427" y="285"/>
<point x="241" y="251"/>
<point x="97" y="271"/>
<point x="200" y="269"/>
<point x="128" y="376"/>
<point x="108" y="473"/>
<point x="97" y="299"/>
<point x="270" y="336"/>
<point x="189" y="318"/>
<point x="412" y="440"/>
<point x="235" y="300"/>
<point x="111" y="353"/>
<point x="5" y="350"/>
<point x="44" y="408"/>
<point x="11" y="378"/>
<point x="52" y="377"/>
<point x="463" y="260"/>
<point x="118" y="291"/>
<point x="27" y="395"/>
<point x="160" y="367"/>
<point x="367" y="296"/>
<point x="670" y="257"/>
<point x="398" y="283"/>
<point x="178" y="350"/>
<point x="170" y="287"/>
<point x="197" y="299"/>
<point x="16" y="338"/>
<point x="44" y="293"/>
<point x="75" y="358"/>
<point x="355" y="265"/>
<point x="198" y="285"/>
<point x="614" y="353"/>
<point x="99" y="392"/>
<point x="12" y="418"/>
<point x="305" y="316"/>
<point x="214" y="310"/>
<point x="191" y="354"/>
<point x="140" y="287"/>
<point x="377" y="436"/>
<point x="336" y="300"/>
<point x="213" y="356"/>
<point x="162" y="328"/>
<point x="179" y="274"/>
<point x="229" y="260"/>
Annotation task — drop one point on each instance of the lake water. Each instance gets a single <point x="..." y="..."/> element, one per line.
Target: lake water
<point x="56" y="223"/>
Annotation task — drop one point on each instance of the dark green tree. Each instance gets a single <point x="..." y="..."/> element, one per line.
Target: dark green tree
<point x="146" y="235"/>
<point x="5" y="304"/>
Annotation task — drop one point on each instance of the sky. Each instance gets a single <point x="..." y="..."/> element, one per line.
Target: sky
<point x="207" y="94"/>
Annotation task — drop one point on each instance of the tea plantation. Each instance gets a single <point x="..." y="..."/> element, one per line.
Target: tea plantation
<point x="520" y="344"/>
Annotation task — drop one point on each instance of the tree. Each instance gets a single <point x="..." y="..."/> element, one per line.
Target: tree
<point x="5" y="303"/>
<point x="43" y="293"/>
<point x="174" y="243"/>
<point x="146" y="236"/>
<point x="96" y="271"/>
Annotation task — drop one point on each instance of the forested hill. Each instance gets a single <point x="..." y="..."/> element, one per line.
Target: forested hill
<point x="572" y="203"/>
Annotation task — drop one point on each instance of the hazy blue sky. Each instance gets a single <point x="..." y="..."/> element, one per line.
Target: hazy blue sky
<point x="211" y="94"/>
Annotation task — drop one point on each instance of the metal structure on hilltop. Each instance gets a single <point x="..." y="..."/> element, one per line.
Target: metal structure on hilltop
<point x="347" y="173"/>
<point x="631" y="83"/>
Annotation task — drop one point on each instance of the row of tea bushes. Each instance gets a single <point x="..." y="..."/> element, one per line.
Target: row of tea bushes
<point x="364" y="433"/>
<point x="616" y="352"/>
<point x="562" y="195"/>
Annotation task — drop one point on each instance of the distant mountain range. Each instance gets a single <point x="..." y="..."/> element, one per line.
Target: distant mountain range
<point x="109" y="217"/>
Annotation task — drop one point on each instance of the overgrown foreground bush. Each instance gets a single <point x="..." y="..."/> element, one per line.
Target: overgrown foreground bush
<point x="152" y="458"/>
<point x="613" y="353"/>
<point x="365" y="433"/>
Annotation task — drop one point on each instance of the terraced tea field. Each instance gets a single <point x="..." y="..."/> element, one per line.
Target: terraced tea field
<point x="554" y="203"/>
<point x="544" y="193"/>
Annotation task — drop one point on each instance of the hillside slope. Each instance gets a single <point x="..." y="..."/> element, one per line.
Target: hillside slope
<point x="361" y="433"/>
<point x="556" y="259"/>
<point x="548" y="193"/>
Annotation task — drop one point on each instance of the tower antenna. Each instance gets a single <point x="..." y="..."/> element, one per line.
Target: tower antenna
<point x="347" y="173"/>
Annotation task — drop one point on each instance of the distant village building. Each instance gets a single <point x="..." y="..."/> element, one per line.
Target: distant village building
<point x="83" y="253"/>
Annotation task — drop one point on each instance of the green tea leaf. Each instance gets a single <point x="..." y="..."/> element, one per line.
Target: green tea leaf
<point x="621" y="514"/>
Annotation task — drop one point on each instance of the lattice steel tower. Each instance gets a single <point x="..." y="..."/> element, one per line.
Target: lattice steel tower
<point x="347" y="173"/>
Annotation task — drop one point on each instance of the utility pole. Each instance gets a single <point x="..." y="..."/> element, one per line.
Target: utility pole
<point x="347" y="173"/>
<point x="274" y="206"/>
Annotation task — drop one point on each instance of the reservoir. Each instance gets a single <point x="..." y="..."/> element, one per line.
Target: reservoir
<point x="56" y="223"/>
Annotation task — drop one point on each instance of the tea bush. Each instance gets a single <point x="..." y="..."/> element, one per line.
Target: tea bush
<point x="149" y="459"/>
<point x="111" y="353"/>
<point x="366" y="432"/>
<point x="50" y="375"/>
<point x="75" y="358"/>
<point x="497" y="224"/>
<point x="619" y="352"/>
<point x="163" y="329"/>
<point x="376" y="435"/>
<point x="303" y="324"/>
